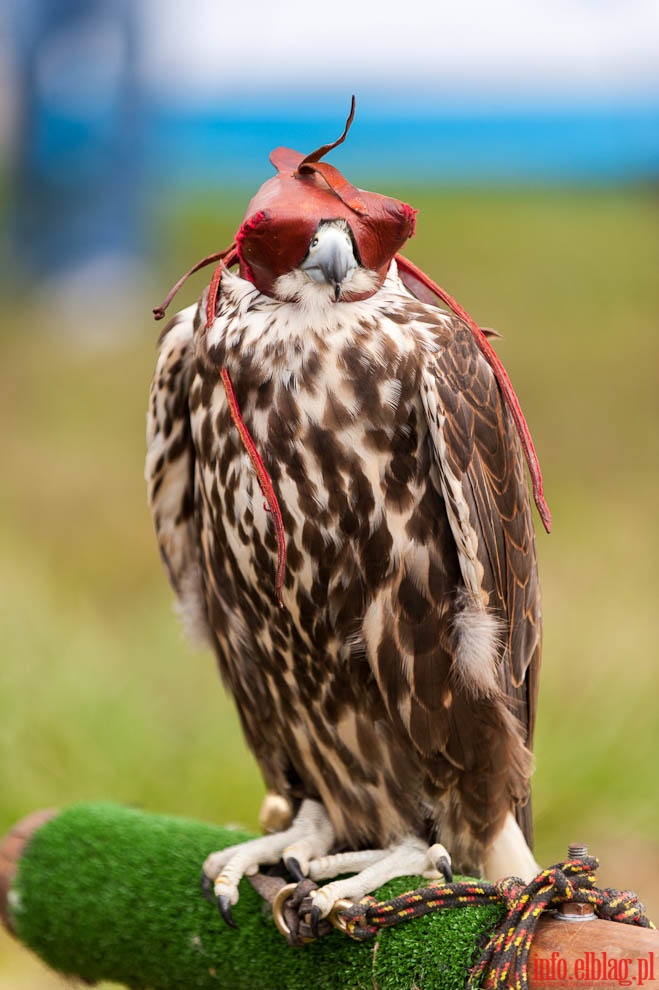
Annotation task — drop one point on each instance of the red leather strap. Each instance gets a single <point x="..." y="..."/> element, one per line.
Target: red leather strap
<point x="229" y="256"/>
<point x="319" y="153"/>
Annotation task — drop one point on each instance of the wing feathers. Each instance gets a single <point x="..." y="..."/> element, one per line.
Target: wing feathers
<point x="169" y="472"/>
<point x="482" y="470"/>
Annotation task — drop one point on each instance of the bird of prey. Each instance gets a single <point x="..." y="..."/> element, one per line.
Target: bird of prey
<point x="336" y="471"/>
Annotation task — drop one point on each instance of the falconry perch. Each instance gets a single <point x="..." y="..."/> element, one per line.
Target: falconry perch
<point x="336" y="470"/>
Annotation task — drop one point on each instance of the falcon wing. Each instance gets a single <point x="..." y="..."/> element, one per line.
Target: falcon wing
<point x="482" y="471"/>
<point x="459" y="672"/>
<point x="170" y="470"/>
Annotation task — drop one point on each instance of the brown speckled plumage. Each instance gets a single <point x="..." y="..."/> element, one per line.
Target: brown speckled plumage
<point x="398" y="685"/>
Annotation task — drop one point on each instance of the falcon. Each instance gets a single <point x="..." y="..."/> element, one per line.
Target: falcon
<point x="336" y="470"/>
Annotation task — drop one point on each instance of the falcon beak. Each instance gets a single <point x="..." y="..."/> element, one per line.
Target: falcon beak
<point x="331" y="258"/>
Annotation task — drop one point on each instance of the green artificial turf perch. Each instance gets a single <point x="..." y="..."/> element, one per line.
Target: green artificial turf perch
<point x="105" y="892"/>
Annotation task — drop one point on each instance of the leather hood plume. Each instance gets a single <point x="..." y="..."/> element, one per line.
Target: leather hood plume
<point x="282" y="217"/>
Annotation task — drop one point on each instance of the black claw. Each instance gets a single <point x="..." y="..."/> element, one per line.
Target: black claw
<point x="207" y="888"/>
<point x="444" y="866"/>
<point x="294" y="868"/>
<point x="224" y="905"/>
<point x="314" y="921"/>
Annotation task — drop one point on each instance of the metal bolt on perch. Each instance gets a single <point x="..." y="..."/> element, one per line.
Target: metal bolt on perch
<point x="570" y="910"/>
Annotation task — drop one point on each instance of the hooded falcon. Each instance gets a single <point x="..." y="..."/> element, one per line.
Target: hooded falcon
<point x="336" y="471"/>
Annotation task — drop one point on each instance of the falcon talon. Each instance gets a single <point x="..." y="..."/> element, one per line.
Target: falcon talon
<point x="314" y="921"/>
<point x="224" y="907"/>
<point x="207" y="887"/>
<point x="443" y="866"/>
<point x="294" y="868"/>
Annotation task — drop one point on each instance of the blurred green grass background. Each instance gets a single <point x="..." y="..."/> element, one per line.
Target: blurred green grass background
<point x="100" y="696"/>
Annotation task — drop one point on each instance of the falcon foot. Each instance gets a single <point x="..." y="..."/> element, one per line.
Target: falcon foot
<point x="309" y="837"/>
<point x="373" y="867"/>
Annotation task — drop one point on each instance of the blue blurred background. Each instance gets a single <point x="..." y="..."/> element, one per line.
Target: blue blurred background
<point x="132" y="135"/>
<point x="106" y="100"/>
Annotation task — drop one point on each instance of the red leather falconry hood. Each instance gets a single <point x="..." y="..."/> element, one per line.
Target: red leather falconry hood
<point x="282" y="218"/>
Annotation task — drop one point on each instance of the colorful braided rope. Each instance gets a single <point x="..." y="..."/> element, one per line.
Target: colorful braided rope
<point x="504" y="961"/>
